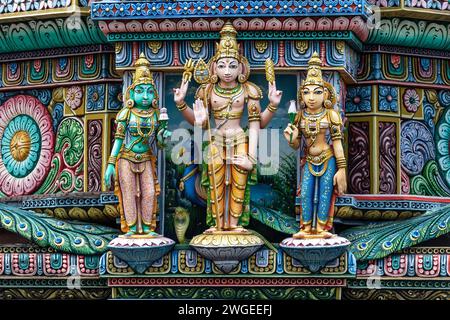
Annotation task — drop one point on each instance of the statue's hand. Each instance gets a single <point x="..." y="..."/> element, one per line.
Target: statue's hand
<point x="290" y="130"/>
<point x="243" y="162"/>
<point x="110" y="173"/>
<point x="340" y="181"/>
<point x="200" y="112"/>
<point x="180" y="93"/>
<point x="274" y="94"/>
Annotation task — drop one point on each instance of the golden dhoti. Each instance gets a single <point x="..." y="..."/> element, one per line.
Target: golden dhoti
<point x="229" y="180"/>
<point x="137" y="188"/>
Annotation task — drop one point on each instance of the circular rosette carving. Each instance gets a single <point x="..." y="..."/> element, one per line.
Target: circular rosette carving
<point x="417" y="146"/>
<point x="442" y="136"/>
<point x="27" y="142"/>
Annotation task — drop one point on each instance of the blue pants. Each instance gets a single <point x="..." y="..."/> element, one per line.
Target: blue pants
<point x="325" y="191"/>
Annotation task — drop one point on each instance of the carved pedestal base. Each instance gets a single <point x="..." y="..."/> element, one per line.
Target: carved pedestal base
<point x="140" y="253"/>
<point x="226" y="249"/>
<point x="315" y="254"/>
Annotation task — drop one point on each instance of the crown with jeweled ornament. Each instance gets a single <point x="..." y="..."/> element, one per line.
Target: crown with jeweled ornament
<point x="228" y="46"/>
<point x="314" y="73"/>
<point x="142" y="74"/>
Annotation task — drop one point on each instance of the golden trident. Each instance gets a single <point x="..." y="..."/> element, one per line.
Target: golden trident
<point x="202" y="77"/>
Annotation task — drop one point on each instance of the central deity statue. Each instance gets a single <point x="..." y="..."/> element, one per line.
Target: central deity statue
<point x="230" y="164"/>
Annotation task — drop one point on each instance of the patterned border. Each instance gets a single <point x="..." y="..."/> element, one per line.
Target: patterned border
<point x="57" y="52"/>
<point x="399" y="284"/>
<point x="225" y="282"/>
<point x="354" y="24"/>
<point x="415" y="51"/>
<point x="209" y="9"/>
<point x="43" y="265"/>
<point x="187" y="293"/>
<point x="244" y="35"/>
<point x="50" y="283"/>
<point x="388" y="202"/>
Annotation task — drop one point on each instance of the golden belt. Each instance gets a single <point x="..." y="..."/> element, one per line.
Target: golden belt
<point x="136" y="157"/>
<point x="321" y="158"/>
<point x="227" y="115"/>
<point x="228" y="141"/>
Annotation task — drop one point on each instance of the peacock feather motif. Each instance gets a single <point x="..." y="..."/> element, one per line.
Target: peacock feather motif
<point x="274" y="219"/>
<point x="378" y="240"/>
<point x="67" y="236"/>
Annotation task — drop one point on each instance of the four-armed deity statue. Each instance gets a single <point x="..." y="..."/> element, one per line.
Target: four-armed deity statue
<point x="232" y="151"/>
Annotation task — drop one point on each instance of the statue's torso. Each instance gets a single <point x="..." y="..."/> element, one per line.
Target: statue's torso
<point x="220" y="108"/>
<point x="143" y="129"/>
<point x="320" y="144"/>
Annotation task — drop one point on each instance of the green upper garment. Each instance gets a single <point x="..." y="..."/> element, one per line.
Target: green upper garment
<point x="244" y="219"/>
<point x="124" y="116"/>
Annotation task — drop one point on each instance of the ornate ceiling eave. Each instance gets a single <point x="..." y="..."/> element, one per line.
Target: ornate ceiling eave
<point x="411" y="33"/>
<point x="25" y="11"/>
<point x="37" y="35"/>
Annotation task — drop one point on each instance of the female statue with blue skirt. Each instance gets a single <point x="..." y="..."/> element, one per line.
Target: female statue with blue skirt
<point x="324" y="172"/>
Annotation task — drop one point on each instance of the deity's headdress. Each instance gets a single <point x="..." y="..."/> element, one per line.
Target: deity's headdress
<point x="314" y="77"/>
<point x="228" y="47"/>
<point x="314" y="73"/>
<point x="141" y="75"/>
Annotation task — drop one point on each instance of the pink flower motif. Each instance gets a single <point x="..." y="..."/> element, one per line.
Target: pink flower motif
<point x="89" y="60"/>
<point x="395" y="60"/>
<point x="37" y="64"/>
<point x="411" y="100"/>
<point x="73" y="97"/>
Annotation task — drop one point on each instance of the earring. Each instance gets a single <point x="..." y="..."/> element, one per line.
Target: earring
<point x="242" y="78"/>
<point x="214" y="78"/>
<point x="328" y="104"/>
<point x="130" y="103"/>
<point x="155" y="103"/>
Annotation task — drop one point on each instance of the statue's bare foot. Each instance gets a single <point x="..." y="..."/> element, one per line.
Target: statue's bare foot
<point x="326" y="234"/>
<point x="300" y="235"/>
<point x="238" y="229"/>
<point x="211" y="230"/>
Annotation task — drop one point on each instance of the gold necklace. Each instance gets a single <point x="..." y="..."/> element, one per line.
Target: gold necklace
<point x="228" y="92"/>
<point x="312" y="124"/>
<point x="152" y="128"/>
<point x="142" y="113"/>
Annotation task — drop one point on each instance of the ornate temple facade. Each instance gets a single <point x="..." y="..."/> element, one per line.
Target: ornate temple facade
<point x="65" y="66"/>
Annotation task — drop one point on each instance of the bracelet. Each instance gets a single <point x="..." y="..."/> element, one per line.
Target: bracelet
<point x="341" y="163"/>
<point x="112" y="160"/>
<point x="272" y="108"/>
<point x="182" y="106"/>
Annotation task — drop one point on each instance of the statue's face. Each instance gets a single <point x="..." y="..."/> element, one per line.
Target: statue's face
<point x="143" y="95"/>
<point x="313" y="96"/>
<point x="228" y="69"/>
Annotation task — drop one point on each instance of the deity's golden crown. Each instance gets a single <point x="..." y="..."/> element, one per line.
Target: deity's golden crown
<point x="314" y="73"/>
<point x="228" y="46"/>
<point x="142" y="75"/>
